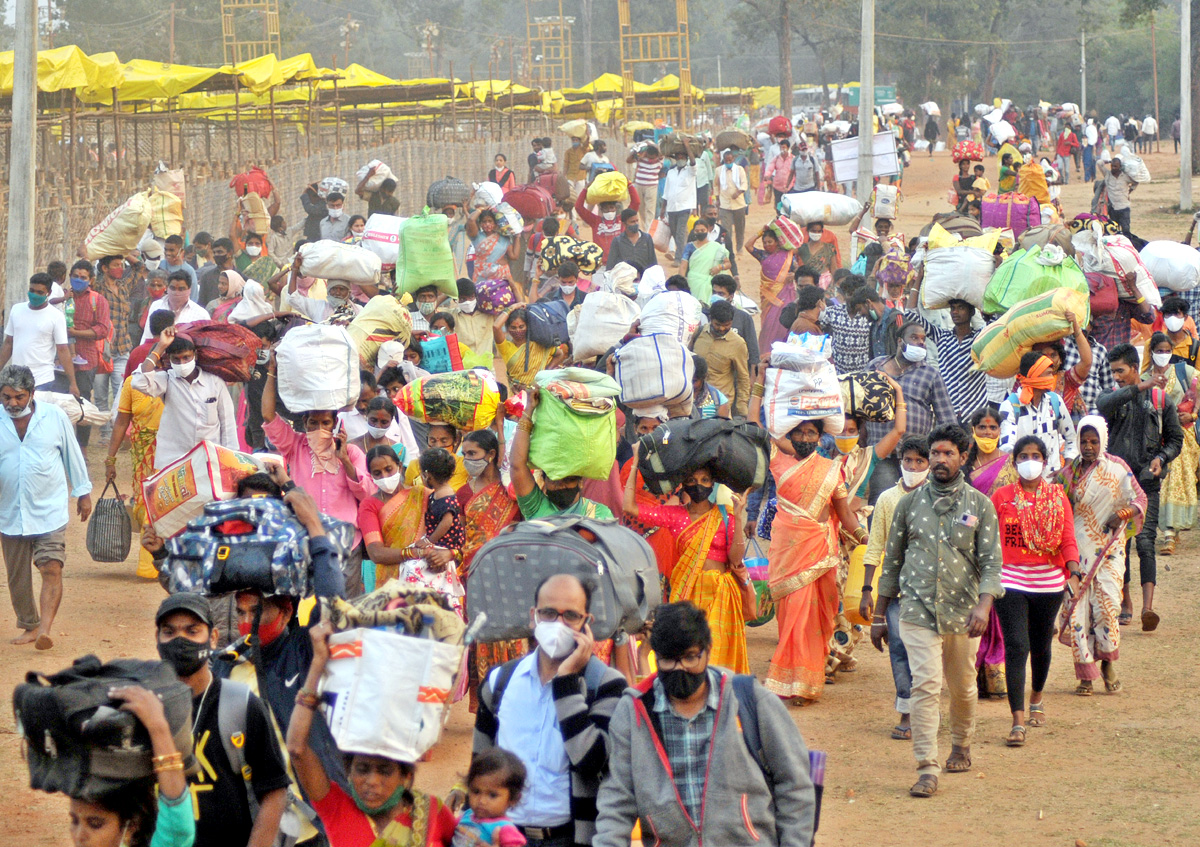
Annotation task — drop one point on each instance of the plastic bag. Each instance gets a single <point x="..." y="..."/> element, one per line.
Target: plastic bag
<point x="382" y="173"/>
<point x="382" y="237"/>
<point x="1173" y="265"/>
<point x="1000" y="345"/>
<point x="792" y="397"/>
<point x="611" y="187"/>
<point x="604" y="319"/>
<point x="1029" y="273"/>
<point x="318" y="368"/>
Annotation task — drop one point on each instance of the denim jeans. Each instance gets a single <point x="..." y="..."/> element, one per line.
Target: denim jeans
<point x="1064" y="168"/>
<point x="677" y="221"/>
<point x="108" y="388"/>
<point x="1144" y="543"/>
<point x="1089" y="164"/>
<point x="901" y="674"/>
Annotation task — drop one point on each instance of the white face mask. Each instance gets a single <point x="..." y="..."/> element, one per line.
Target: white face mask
<point x="555" y="639"/>
<point x="183" y="369"/>
<point x="913" y="478"/>
<point x="24" y="413"/>
<point x="915" y="353"/>
<point x="814" y="236"/>
<point x="253" y="250"/>
<point x="152" y="264"/>
<point x="566" y="289"/>
<point x="1174" y="323"/>
<point x="1161" y="359"/>
<point x="1030" y="469"/>
<point x="467" y="307"/>
<point x="389" y="484"/>
<point x="334" y="214"/>
<point x="609" y="216"/>
<point x="377" y="431"/>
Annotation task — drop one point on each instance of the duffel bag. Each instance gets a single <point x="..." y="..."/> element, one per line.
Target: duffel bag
<point x="793" y="396"/>
<point x="868" y="395"/>
<point x="1013" y="211"/>
<point x="350" y="263"/>
<point x="78" y="740"/>
<point x="532" y="202"/>
<point x="270" y="556"/>
<point x="1028" y="273"/>
<point x="450" y="191"/>
<point x="1173" y="265"/>
<point x="546" y="323"/>
<point x="604" y="319"/>
<point x="228" y="351"/>
<point x="733" y="137"/>
<point x="120" y="231"/>
<point x="1000" y="344"/>
<point x="466" y="400"/>
<point x="616" y="560"/>
<point x="384" y="318"/>
<point x="332" y="185"/>
<point x="255" y="180"/>
<point x="425" y="257"/>
<point x="956" y="273"/>
<point x="610" y="187"/>
<point x="587" y="255"/>
<point x="653" y="370"/>
<point x="318" y="368"/>
<point x="493" y="296"/>
<point x="737" y="454"/>
<point x="178" y="492"/>
<point x="110" y="530"/>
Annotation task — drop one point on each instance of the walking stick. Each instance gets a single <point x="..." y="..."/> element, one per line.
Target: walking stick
<point x="1084" y="585"/>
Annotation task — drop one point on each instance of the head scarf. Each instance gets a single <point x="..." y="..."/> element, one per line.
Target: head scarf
<point x="236" y="284"/>
<point x="253" y="303"/>
<point x="1097" y="423"/>
<point x="1037" y="378"/>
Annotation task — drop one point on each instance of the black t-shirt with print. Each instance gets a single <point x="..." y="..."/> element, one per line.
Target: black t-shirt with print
<point x="220" y="794"/>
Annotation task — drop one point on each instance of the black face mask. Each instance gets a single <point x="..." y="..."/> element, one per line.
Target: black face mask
<point x="698" y="493"/>
<point x="563" y="498"/>
<point x="184" y="655"/>
<point x="804" y="449"/>
<point x="681" y="684"/>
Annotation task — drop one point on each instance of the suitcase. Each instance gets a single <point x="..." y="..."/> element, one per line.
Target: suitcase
<point x="532" y="202"/>
<point x="737" y="454"/>
<point x="547" y="323"/>
<point x="507" y="570"/>
<point x="1013" y="211"/>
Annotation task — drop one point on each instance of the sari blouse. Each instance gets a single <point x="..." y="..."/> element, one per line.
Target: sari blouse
<point x="675" y="519"/>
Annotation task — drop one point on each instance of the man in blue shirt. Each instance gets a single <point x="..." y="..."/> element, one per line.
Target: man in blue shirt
<point x="37" y="444"/>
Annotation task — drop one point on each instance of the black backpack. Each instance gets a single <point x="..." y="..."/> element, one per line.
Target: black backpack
<point x="76" y="738"/>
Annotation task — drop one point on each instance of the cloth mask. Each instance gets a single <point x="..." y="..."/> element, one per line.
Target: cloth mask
<point x="814" y="236"/>
<point x="336" y="302"/>
<point x="915" y="353"/>
<point x="427" y="309"/>
<point x="804" y="449"/>
<point x="1174" y="323"/>
<point x="846" y="444"/>
<point x="253" y="251"/>
<point x="266" y="634"/>
<point x="914" y="478"/>
<point x="1161" y="359"/>
<point x="37" y="300"/>
<point x="563" y="498"/>
<point x="389" y="484"/>
<point x="79" y="283"/>
<point x="680" y="684"/>
<point x="1030" y="469"/>
<point x="24" y="413"/>
<point x="386" y="806"/>
<point x="324" y="455"/>
<point x="377" y="431"/>
<point x="698" y="493"/>
<point x="467" y="307"/>
<point x="151" y="264"/>
<point x="184" y="655"/>
<point x="474" y="467"/>
<point x="183" y="370"/>
<point x="176" y="300"/>
<point x="556" y="639"/>
<point x="987" y="445"/>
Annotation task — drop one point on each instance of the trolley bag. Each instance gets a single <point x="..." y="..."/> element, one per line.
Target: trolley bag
<point x="1173" y="265"/>
<point x="466" y="400"/>
<point x="604" y="319"/>
<point x="255" y="180"/>
<point x="653" y="370"/>
<point x="546" y="323"/>
<point x="228" y="351"/>
<point x="78" y="740"/>
<point x="493" y="296"/>
<point x="868" y="395"/>
<point x="1012" y="211"/>
<point x="350" y="263"/>
<point x="450" y="191"/>
<point x="735" y="453"/>
<point x="575" y="425"/>
<point x="318" y="368"/>
<point x="616" y="560"/>
<point x="1029" y="273"/>
<point x="382" y="319"/>
<point x="251" y="544"/>
<point x="425" y="257"/>
<point x="110" y="530"/>
<point x="532" y="202"/>
<point x="207" y="472"/>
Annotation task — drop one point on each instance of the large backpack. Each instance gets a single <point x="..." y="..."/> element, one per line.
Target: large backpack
<point x="77" y="739"/>
<point x="737" y="454"/>
<point x="547" y="323"/>
<point x="507" y="570"/>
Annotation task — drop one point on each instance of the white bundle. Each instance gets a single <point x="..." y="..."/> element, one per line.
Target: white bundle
<point x="381" y="175"/>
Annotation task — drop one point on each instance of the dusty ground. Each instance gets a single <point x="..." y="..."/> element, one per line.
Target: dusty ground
<point x="1112" y="771"/>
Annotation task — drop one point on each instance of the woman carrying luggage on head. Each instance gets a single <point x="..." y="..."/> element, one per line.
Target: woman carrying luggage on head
<point x="522" y="359"/>
<point x="708" y="571"/>
<point x="136" y="814"/>
<point x="493" y="251"/>
<point x="381" y="809"/>
<point x="776" y="288"/>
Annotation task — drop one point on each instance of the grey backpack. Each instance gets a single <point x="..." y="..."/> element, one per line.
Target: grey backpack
<point x="618" y="562"/>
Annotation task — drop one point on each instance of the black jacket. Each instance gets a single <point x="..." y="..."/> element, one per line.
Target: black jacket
<point x="1138" y="432"/>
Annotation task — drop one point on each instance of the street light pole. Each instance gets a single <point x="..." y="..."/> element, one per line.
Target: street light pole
<point x="21" y="155"/>
<point x="1185" y="106"/>
<point x="866" y="103"/>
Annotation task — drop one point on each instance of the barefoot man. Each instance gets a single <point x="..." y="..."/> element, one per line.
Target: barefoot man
<point x="37" y="444"/>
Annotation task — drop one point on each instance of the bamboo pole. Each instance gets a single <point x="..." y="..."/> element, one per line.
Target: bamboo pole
<point x="274" y="130"/>
<point x="71" y="175"/>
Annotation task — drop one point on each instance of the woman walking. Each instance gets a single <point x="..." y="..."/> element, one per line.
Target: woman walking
<point x="776" y="287"/>
<point x="493" y="251"/>
<point x="1037" y="537"/>
<point x="1178" y="501"/>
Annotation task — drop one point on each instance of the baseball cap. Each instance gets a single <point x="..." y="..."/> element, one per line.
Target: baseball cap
<point x="196" y="604"/>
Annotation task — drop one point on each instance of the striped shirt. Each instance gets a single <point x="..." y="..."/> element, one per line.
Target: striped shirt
<point x="925" y="394"/>
<point x="967" y="388"/>
<point x="1024" y="569"/>
<point x="647" y="173"/>
<point x="1099" y="379"/>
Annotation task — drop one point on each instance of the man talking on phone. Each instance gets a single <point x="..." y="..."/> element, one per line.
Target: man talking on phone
<point x="321" y="462"/>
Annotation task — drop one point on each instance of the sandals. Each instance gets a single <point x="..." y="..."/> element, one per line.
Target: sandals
<point x="1150" y="620"/>
<point x="1037" y="714"/>
<point x="1113" y="687"/>
<point x="1111" y="684"/>
<point x="925" y="786"/>
<point x="902" y="733"/>
<point x="959" y="760"/>
<point x="1084" y="688"/>
<point x="1016" y="737"/>
<point x="1125" y="618"/>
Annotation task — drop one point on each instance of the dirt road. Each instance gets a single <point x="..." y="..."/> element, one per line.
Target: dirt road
<point x="1111" y="770"/>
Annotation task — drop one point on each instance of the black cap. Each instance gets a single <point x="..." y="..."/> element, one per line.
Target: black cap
<point x="197" y="604"/>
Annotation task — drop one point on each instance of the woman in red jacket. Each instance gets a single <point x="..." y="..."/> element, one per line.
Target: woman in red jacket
<point x="1037" y="538"/>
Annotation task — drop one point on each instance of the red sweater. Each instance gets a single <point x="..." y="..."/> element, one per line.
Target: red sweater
<point x="603" y="232"/>
<point x="1024" y="569"/>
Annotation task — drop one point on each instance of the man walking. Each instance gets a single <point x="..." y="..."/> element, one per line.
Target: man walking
<point x="92" y="327"/>
<point x="682" y="758"/>
<point x="1118" y="185"/>
<point x="35" y="336"/>
<point x="943" y="560"/>
<point x="36" y="447"/>
<point x="731" y="192"/>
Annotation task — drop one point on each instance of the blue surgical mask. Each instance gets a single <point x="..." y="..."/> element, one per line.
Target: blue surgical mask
<point x="79" y="283"/>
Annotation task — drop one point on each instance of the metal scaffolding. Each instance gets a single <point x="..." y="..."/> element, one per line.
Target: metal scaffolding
<point x="249" y="29"/>
<point x="670" y="51"/>
<point x="547" y="47"/>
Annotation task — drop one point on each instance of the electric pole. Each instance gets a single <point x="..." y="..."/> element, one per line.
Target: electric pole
<point x="171" y="37"/>
<point x="1082" y="72"/>
<point x="1185" y="107"/>
<point x="866" y="104"/>
<point x="21" y="157"/>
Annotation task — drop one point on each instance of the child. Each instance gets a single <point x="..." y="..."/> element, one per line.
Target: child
<point x="981" y="185"/>
<point x="444" y="531"/>
<point x="494" y="785"/>
<point x="1008" y="174"/>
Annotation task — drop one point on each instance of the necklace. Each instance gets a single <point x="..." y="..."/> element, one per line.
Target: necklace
<point x="200" y="708"/>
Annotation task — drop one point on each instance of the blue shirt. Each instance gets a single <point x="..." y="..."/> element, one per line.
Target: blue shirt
<point x="529" y="728"/>
<point x="33" y="490"/>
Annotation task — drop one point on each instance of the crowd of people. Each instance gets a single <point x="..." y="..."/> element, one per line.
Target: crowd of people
<point x="987" y="514"/>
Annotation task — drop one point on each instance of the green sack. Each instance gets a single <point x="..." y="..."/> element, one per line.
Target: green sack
<point x="1025" y="275"/>
<point x="565" y="444"/>
<point x="425" y="256"/>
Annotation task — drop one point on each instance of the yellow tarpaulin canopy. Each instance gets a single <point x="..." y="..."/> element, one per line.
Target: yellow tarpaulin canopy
<point x="65" y="68"/>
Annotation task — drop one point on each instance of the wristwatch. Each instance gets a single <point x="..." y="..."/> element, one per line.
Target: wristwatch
<point x="288" y="486"/>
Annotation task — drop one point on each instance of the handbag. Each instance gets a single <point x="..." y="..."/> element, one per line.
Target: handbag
<point x="756" y="567"/>
<point x="110" y="531"/>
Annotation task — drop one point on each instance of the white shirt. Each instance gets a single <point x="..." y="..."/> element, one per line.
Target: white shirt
<point x="400" y="431"/>
<point x="36" y="334"/>
<point x="315" y="310"/>
<point x="190" y="312"/>
<point x="529" y="728"/>
<point x="33" y="486"/>
<point x="1149" y="126"/>
<point x="195" y="411"/>
<point x="1091" y="134"/>
<point x="679" y="189"/>
<point x="1112" y="126"/>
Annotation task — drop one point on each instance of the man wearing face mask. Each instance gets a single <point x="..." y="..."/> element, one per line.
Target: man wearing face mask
<point x="558" y="496"/>
<point x="943" y="561"/>
<point x="35" y="336"/>
<point x="36" y="447"/>
<point x="605" y="221"/>
<point x="335" y="224"/>
<point x="727" y="356"/>
<point x="680" y="756"/>
<point x="210" y="277"/>
<point x="178" y="300"/>
<point x="1175" y="321"/>
<point x="196" y="404"/>
<point x="632" y="245"/>
<point x="552" y="709"/>
<point x="567" y="287"/>
<point x="92" y="327"/>
<point x="186" y="640"/>
<point x="474" y="328"/>
<point x="425" y="303"/>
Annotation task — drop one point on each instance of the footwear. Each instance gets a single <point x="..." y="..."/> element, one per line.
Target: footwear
<point x="1113" y="687"/>
<point x="902" y="733"/>
<point x="1084" y="688"/>
<point x="1125" y="618"/>
<point x="1037" y="714"/>
<point x="1111" y="684"/>
<point x="1016" y="737"/>
<point x="959" y="760"/>
<point x="1168" y="546"/>
<point x="1150" y="620"/>
<point x="926" y="786"/>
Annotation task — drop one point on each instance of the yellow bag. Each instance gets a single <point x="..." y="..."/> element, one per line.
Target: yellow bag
<point x="254" y="211"/>
<point x="382" y="319"/>
<point x="608" y="187"/>
<point x="166" y="213"/>
<point x="1000" y="345"/>
<point x="939" y="236"/>
<point x="119" y="232"/>
<point x="854" y="582"/>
